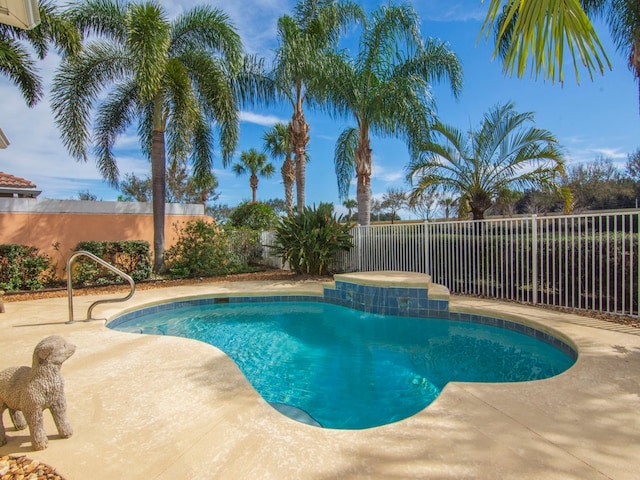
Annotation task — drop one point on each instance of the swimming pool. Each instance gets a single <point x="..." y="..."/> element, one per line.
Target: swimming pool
<point x="337" y="367"/>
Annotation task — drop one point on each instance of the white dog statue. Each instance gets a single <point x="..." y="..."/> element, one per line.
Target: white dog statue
<point x="27" y="392"/>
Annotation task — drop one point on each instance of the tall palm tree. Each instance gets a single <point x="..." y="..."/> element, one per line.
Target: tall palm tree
<point x="255" y="164"/>
<point x="16" y="61"/>
<point x="503" y="153"/>
<point x="176" y="78"/>
<point x="303" y="38"/>
<point x="277" y="143"/>
<point x="386" y="89"/>
<point x="540" y="32"/>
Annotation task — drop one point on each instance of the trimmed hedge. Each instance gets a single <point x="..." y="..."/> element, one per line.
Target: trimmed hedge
<point x="133" y="257"/>
<point x="24" y="268"/>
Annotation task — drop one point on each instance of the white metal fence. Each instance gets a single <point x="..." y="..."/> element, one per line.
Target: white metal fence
<point x="587" y="261"/>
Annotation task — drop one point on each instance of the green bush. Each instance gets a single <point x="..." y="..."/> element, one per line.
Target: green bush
<point x="132" y="257"/>
<point x="245" y="243"/>
<point x="23" y="268"/>
<point x="203" y="250"/>
<point x="256" y="216"/>
<point x="310" y="241"/>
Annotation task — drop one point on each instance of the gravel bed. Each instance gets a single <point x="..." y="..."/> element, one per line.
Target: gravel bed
<point x="24" y="468"/>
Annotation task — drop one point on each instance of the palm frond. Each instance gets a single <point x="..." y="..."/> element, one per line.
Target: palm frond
<point x="77" y="85"/>
<point x="209" y="29"/>
<point x="148" y="40"/>
<point x="113" y="117"/>
<point x="536" y="33"/>
<point x="345" y="160"/>
<point x="18" y="66"/>
<point x="105" y="18"/>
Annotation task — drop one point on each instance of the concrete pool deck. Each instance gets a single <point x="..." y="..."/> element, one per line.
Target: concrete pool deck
<point x="154" y="407"/>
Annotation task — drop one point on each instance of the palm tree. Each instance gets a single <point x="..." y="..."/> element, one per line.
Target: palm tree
<point x="544" y="29"/>
<point x="503" y="153"/>
<point x="277" y="143"/>
<point x="303" y="38"/>
<point x="175" y="78"/>
<point x="349" y="204"/>
<point x="254" y="163"/>
<point x="16" y="60"/>
<point x="393" y="62"/>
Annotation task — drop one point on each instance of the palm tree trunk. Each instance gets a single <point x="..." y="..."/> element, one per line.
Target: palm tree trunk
<point x="298" y="130"/>
<point x="288" y="179"/>
<point x="253" y="181"/>
<point x="363" y="172"/>
<point x="158" y="179"/>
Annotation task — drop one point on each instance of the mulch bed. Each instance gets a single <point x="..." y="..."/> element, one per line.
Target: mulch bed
<point x="272" y="275"/>
<point x="24" y="468"/>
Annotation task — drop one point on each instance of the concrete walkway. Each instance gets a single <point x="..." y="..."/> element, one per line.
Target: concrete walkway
<point x="147" y="407"/>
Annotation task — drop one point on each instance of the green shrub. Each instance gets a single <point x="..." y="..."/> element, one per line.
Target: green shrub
<point x="132" y="257"/>
<point x="256" y="216"/>
<point x="23" y="268"/>
<point x="245" y="243"/>
<point x="203" y="250"/>
<point x="310" y="241"/>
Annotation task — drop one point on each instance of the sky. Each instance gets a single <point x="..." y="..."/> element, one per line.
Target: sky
<point x="598" y="117"/>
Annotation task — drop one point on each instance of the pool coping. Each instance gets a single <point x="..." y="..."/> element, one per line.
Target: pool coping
<point x="169" y="408"/>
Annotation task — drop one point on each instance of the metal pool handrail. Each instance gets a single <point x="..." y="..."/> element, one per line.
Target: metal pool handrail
<point x="98" y="302"/>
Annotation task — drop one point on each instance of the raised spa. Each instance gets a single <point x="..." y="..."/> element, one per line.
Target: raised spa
<point x="334" y="366"/>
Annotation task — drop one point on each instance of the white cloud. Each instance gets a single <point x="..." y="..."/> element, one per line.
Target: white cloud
<point x="258" y="119"/>
<point x="384" y="174"/>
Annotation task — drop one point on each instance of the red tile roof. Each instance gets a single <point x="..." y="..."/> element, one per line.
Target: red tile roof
<point x="10" y="181"/>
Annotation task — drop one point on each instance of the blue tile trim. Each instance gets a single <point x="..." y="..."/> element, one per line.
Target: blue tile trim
<point x="395" y="301"/>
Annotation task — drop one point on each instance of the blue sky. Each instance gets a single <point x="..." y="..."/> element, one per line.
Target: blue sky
<point x="598" y="117"/>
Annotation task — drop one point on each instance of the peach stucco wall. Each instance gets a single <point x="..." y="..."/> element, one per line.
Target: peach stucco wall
<point x="41" y="228"/>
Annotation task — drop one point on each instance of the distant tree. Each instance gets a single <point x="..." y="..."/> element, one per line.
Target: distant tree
<point x="506" y="202"/>
<point x="503" y="153"/>
<point x="425" y="204"/>
<point x="219" y="212"/>
<point x="449" y="205"/>
<point x="633" y="171"/>
<point x="181" y="188"/>
<point x="599" y="185"/>
<point x="376" y="209"/>
<point x="185" y="188"/>
<point x="393" y="201"/>
<point x="633" y="165"/>
<point x="278" y="205"/>
<point x="87" y="195"/>
<point x="350" y="204"/>
<point x="135" y="189"/>
<point x="539" y="202"/>
<point x="255" y="164"/>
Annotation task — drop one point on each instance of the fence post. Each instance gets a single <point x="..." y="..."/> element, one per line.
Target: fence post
<point x="534" y="255"/>
<point x="427" y="265"/>
<point x="359" y="247"/>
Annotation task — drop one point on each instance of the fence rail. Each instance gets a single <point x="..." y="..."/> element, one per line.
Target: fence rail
<point x="587" y="261"/>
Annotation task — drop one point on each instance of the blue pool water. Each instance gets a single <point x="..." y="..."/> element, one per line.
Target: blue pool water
<point x="342" y="368"/>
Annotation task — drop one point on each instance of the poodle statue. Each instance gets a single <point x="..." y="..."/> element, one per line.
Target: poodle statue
<point x="26" y="392"/>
